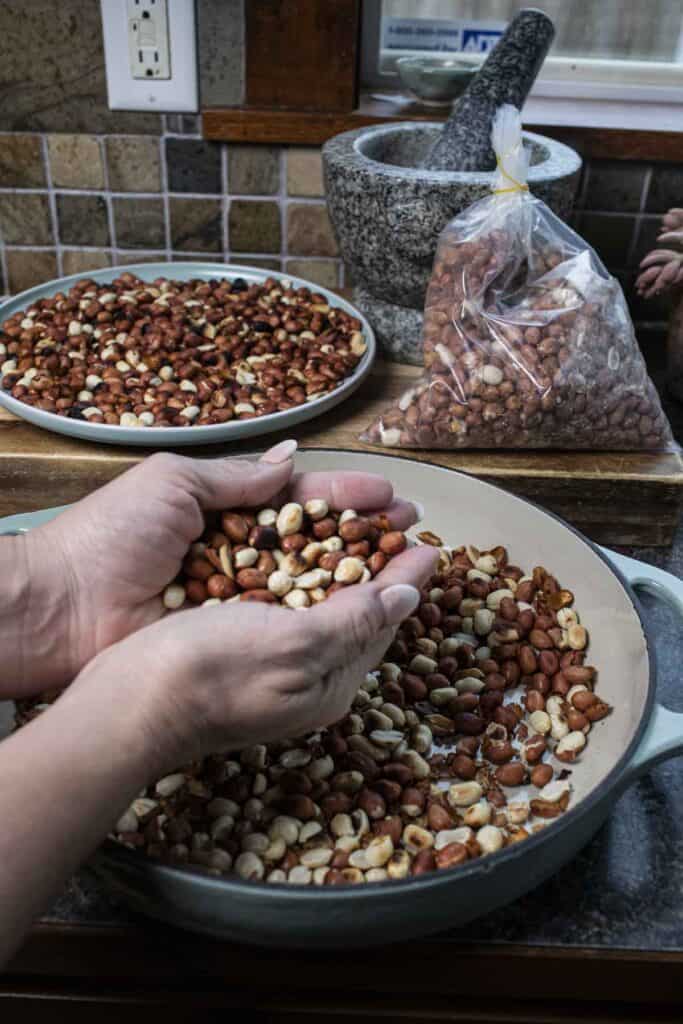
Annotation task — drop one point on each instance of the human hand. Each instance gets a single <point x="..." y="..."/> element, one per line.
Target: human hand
<point x="225" y="677"/>
<point x="198" y="681"/>
<point x="102" y="564"/>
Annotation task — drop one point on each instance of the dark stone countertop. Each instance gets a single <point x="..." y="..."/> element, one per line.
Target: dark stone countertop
<point x="624" y="890"/>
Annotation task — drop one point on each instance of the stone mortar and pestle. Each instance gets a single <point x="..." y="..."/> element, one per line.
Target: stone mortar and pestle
<point x="391" y="188"/>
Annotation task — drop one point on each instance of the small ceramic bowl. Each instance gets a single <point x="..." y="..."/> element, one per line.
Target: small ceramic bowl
<point x="435" y="81"/>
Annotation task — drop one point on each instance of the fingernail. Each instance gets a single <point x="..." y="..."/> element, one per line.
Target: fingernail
<point x="419" y="510"/>
<point x="280" y="452"/>
<point x="399" y="601"/>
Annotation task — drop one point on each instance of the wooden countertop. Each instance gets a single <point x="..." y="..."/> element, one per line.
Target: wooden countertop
<point x="614" y="497"/>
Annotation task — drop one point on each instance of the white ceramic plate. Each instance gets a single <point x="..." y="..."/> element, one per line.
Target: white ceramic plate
<point x="172" y="437"/>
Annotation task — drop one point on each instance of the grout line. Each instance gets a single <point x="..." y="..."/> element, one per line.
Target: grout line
<point x="640" y="217"/>
<point x="282" y="194"/>
<point x="165" y="195"/>
<point x="611" y="213"/>
<point x="34" y="248"/>
<point x="113" y="135"/>
<point x="3" y="263"/>
<point x="151" y="249"/>
<point x="250" y="197"/>
<point x="645" y="189"/>
<point x="160" y="253"/>
<point x="580" y="204"/>
<point x="108" y="197"/>
<point x="52" y="203"/>
<point x="66" y="248"/>
<point x="225" y="182"/>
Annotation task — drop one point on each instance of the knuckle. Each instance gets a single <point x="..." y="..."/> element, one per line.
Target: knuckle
<point x="164" y="464"/>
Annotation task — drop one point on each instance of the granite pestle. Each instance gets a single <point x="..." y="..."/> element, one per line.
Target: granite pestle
<point x="506" y="77"/>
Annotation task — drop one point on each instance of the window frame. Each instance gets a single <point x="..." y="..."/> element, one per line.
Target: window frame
<point x="571" y="92"/>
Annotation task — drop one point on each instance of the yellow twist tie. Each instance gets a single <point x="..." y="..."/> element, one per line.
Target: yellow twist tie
<point x="517" y="186"/>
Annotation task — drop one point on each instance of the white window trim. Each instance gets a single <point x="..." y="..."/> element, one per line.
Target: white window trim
<point x="569" y="92"/>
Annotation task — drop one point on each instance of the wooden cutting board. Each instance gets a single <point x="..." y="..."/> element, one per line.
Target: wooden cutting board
<point x="614" y="497"/>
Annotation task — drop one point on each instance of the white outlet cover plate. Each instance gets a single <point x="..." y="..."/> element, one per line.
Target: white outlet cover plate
<point x="179" y="93"/>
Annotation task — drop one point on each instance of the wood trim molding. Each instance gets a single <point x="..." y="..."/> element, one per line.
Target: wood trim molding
<point x="313" y="128"/>
<point x="153" y="954"/>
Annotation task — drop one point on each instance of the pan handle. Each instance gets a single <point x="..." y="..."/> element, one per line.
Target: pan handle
<point x="663" y="737"/>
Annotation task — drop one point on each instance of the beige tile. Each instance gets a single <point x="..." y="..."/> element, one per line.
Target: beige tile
<point x="197" y="257"/>
<point x="75" y="161"/>
<point x="253" y="170"/>
<point x="21" y="162"/>
<point x="26" y="268"/>
<point x="123" y="259"/>
<point x="253" y="261"/>
<point x="254" y="226"/>
<point x="196" y="225"/>
<point x="309" y="231"/>
<point x="304" y="172"/>
<point x="134" y="164"/>
<point x="25" y="219"/>
<point x="323" y="272"/>
<point x="83" y="220"/>
<point x="77" y="261"/>
<point x="139" y="223"/>
<point x="193" y="165"/>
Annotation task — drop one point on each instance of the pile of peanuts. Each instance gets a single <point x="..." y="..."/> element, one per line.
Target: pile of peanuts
<point x="175" y="354"/>
<point x="525" y="350"/>
<point x="296" y="556"/>
<point x="457" y="745"/>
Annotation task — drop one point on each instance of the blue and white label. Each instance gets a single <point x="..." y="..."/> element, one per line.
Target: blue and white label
<point x="440" y="35"/>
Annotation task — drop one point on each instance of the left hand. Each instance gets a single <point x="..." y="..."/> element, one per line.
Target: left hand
<point x="104" y="563"/>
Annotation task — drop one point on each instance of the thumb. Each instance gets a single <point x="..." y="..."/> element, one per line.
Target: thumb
<point x="351" y="620"/>
<point x="398" y="602"/>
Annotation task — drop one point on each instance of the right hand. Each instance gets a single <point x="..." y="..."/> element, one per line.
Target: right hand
<point x="226" y="677"/>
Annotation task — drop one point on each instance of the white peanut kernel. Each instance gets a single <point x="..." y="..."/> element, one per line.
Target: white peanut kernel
<point x="490" y="838"/>
<point x="316" y="508"/>
<point x="289" y="519"/>
<point x="463" y="794"/>
<point x="349" y="570"/>
<point x="540" y="722"/>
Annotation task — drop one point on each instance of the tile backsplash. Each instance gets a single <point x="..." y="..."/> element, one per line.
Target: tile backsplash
<point x="72" y="202"/>
<point x="618" y="210"/>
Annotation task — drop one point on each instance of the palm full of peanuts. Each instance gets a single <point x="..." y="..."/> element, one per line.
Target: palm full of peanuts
<point x="486" y="683"/>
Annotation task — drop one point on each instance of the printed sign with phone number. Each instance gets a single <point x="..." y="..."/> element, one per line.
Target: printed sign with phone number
<point x="438" y="34"/>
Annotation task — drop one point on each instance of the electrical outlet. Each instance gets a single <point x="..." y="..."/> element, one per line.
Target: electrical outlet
<point x="150" y="52"/>
<point x="148" y="45"/>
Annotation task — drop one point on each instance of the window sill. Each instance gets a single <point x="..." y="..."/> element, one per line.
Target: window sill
<point x="299" y="127"/>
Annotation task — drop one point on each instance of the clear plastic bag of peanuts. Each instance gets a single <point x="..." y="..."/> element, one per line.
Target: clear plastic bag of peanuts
<point x="528" y="342"/>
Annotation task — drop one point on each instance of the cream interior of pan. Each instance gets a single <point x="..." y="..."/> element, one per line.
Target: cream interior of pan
<point x="463" y="510"/>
